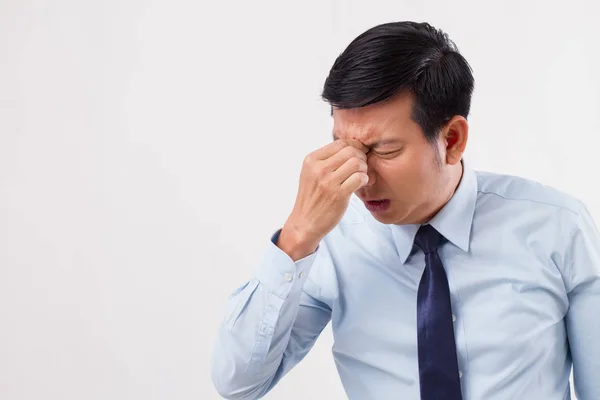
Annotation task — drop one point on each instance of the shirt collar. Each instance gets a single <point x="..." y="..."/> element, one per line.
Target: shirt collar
<point x="453" y="221"/>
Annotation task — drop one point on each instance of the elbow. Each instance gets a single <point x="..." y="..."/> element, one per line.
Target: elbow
<point x="224" y="379"/>
<point x="230" y="390"/>
<point x="233" y="382"/>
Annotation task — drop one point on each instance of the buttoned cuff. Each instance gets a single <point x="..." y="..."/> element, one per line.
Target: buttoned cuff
<point x="279" y="273"/>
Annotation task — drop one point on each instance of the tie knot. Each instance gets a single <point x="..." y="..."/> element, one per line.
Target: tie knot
<point x="428" y="239"/>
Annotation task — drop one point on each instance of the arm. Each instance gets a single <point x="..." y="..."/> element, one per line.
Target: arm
<point x="274" y="320"/>
<point x="583" y="316"/>
<point x="270" y="325"/>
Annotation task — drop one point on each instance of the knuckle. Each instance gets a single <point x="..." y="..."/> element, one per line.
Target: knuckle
<point x="347" y="151"/>
<point x="340" y="144"/>
<point x="309" y="160"/>
<point x="353" y="163"/>
<point x="357" y="164"/>
<point x="320" y="174"/>
<point x="324" y="184"/>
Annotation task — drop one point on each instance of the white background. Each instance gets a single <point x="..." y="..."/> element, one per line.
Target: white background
<point x="149" y="149"/>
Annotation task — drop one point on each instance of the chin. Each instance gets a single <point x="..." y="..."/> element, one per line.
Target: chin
<point x="384" y="218"/>
<point x="392" y="218"/>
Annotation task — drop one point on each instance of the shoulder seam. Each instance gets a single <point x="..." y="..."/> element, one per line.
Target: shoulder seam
<point x="530" y="200"/>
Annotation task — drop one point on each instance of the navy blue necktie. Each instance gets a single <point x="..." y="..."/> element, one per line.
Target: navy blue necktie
<point x="438" y="365"/>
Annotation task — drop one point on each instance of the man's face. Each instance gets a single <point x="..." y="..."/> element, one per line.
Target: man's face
<point x="404" y="168"/>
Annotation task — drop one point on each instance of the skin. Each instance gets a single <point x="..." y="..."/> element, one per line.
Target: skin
<point x="417" y="177"/>
<point x="378" y="153"/>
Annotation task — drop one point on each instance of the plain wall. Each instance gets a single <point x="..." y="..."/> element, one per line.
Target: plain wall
<point x="149" y="149"/>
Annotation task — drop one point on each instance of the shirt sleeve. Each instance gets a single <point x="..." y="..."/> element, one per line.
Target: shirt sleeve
<point x="270" y="324"/>
<point x="583" y="316"/>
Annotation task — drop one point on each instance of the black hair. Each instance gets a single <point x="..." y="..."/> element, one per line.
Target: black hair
<point x="398" y="57"/>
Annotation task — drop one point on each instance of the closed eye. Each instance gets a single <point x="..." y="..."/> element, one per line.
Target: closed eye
<point x="387" y="153"/>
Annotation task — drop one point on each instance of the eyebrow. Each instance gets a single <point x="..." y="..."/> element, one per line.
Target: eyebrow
<point x="376" y="144"/>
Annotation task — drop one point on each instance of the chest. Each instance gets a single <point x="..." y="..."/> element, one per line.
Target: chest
<point x="502" y="301"/>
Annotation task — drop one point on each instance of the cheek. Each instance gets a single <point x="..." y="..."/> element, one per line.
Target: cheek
<point x="398" y="174"/>
<point x="390" y="170"/>
<point x="408" y="175"/>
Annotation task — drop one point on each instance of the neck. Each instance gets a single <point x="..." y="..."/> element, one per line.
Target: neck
<point x="455" y="176"/>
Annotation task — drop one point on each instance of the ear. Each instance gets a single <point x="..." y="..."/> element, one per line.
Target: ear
<point x="454" y="138"/>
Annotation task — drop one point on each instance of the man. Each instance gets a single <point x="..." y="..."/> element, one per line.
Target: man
<point x="440" y="282"/>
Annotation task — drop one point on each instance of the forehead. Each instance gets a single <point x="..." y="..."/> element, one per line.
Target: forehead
<point x="387" y="118"/>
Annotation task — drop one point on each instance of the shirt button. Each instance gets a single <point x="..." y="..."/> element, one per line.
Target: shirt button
<point x="453" y="318"/>
<point x="460" y="374"/>
<point x="301" y="274"/>
<point x="288" y="277"/>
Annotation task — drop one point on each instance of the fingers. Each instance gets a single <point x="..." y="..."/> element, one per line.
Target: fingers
<point x="338" y="159"/>
<point x="340" y="165"/>
<point x="334" y="147"/>
<point x="351" y="166"/>
<point x="353" y="183"/>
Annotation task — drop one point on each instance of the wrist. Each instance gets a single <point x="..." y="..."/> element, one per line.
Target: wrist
<point x="295" y="242"/>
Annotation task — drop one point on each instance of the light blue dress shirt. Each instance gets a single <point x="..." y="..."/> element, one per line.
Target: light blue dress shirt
<point x="523" y="265"/>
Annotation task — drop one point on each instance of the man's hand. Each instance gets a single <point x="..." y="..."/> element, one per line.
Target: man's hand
<point x="329" y="177"/>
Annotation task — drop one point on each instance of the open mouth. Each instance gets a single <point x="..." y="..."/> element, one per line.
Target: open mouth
<point x="377" y="205"/>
